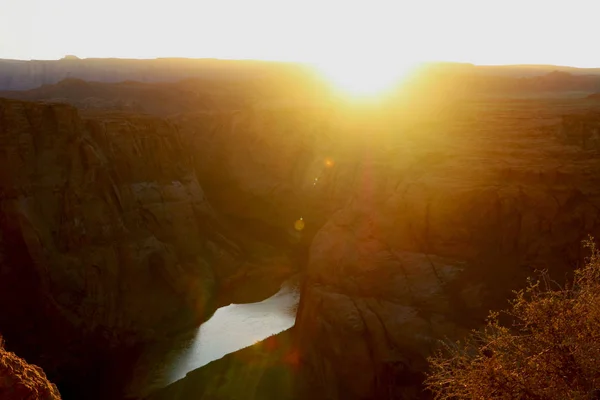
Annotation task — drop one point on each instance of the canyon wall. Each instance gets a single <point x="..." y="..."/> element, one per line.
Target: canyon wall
<point x="106" y="237"/>
<point x="264" y="164"/>
<point x="416" y="222"/>
<point x="447" y="217"/>
<point x="581" y="130"/>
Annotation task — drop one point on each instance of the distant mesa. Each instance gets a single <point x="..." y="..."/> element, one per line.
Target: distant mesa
<point x="558" y="74"/>
<point x="594" y="96"/>
<point x="71" y="81"/>
<point x="70" y="57"/>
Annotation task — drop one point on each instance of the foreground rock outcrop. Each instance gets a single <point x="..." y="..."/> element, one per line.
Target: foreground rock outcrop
<point x="20" y="380"/>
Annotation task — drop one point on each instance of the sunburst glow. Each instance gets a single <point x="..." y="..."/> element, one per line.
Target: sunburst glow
<point x="365" y="78"/>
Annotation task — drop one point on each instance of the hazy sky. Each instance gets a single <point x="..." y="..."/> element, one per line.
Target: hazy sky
<point x="479" y="31"/>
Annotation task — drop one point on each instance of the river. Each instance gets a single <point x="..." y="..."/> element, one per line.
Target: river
<point x="230" y="328"/>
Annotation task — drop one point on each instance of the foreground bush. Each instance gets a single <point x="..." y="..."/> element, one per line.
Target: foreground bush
<point x="552" y="351"/>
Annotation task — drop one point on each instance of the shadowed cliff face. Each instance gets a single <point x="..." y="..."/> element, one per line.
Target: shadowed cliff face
<point x="106" y="237"/>
<point x="420" y="220"/>
<point x="420" y="223"/>
<point x="157" y="99"/>
<point x="94" y="218"/>
<point x="445" y="219"/>
<point x="162" y="99"/>
<point x="581" y="130"/>
<point x="262" y="164"/>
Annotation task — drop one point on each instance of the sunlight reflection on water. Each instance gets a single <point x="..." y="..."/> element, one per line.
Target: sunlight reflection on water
<point x="236" y="326"/>
<point x="230" y="328"/>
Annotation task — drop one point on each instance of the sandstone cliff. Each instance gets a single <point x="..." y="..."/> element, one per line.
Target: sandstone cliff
<point x="262" y="164"/>
<point x="106" y="237"/>
<point x="418" y="221"/>
<point x="445" y="218"/>
<point x="162" y="99"/>
<point x="581" y="130"/>
<point x="20" y="380"/>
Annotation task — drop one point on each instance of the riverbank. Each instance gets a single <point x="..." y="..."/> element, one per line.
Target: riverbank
<point x="229" y="329"/>
<point x="265" y="370"/>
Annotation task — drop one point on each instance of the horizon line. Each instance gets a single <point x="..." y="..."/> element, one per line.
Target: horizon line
<point x="70" y="57"/>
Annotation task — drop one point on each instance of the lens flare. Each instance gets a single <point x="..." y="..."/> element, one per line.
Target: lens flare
<point x="299" y="224"/>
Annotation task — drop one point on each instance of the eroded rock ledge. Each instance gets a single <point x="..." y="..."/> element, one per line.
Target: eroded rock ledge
<point x="20" y="380"/>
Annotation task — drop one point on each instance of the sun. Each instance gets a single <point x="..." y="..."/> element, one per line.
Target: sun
<point x="364" y="78"/>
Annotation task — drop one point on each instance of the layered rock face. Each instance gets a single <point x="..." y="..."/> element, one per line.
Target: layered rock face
<point x="261" y="165"/>
<point x="418" y="222"/>
<point x="161" y="99"/>
<point x="158" y="99"/>
<point x="105" y="233"/>
<point x="581" y="130"/>
<point x="277" y="163"/>
<point x="20" y="380"/>
<point x="444" y="220"/>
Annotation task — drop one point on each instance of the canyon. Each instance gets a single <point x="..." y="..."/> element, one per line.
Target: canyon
<point x="108" y="240"/>
<point x="131" y="211"/>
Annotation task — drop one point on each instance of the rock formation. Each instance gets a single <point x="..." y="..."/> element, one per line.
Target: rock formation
<point x="440" y="226"/>
<point x="161" y="99"/>
<point x="581" y="130"/>
<point x="263" y="164"/>
<point x="20" y="380"/>
<point x="417" y="221"/>
<point x="106" y="237"/>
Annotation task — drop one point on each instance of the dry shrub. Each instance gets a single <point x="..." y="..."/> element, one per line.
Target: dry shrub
<point x="552" y="351"/>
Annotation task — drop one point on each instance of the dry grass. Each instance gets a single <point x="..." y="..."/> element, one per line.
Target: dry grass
<point x="551" y="351"/>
